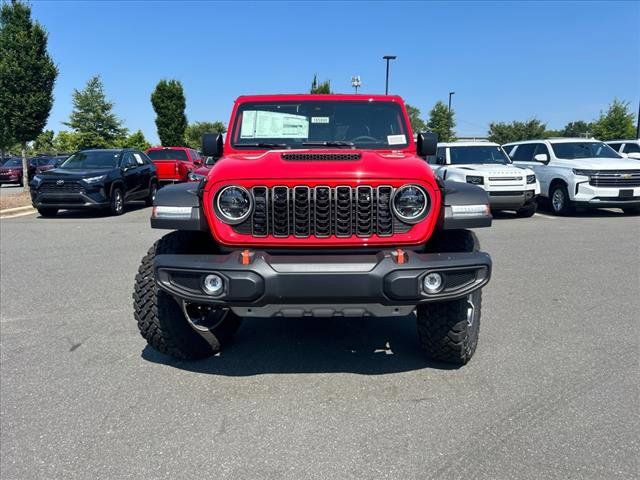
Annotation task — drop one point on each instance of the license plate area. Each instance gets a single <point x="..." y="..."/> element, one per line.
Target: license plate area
<point x="625" y="193"/>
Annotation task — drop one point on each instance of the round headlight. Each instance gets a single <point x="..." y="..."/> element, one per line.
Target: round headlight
<point x="410" y="203"/>
<point x="233" y="204"/>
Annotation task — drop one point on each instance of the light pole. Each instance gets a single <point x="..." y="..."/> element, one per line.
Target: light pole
<point x="386" y="85"/>
<point x="355" y="82"/>
<point x="451" y="94"/>
<point x="638" y="123"/>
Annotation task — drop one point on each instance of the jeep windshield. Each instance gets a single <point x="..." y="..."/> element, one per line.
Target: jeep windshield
<point x="320" y="124"/>
<point x="97" y="159"/>
<point x="168" y="154"/>
<point x="478" y="155"/>
<point x="575" y="150"/>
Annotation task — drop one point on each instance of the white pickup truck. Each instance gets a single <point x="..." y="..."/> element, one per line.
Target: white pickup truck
<point x="486" y="165"/>
<point x="578" y="172"/>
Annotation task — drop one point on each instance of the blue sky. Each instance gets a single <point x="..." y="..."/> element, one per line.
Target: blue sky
<point x="506" y="61"/>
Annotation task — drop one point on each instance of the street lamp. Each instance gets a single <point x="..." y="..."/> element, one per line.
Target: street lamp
<point x="386" y="85"/>
<point x="451" y="94"/>
<point x="355" y="82"/>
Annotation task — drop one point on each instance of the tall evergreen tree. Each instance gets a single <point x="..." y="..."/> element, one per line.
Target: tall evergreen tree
<point x="169" y="104"/>
<point x="441" y="121"/>
<point x="27" y="77"/>
<point x="92" y="118"/>
<point x="320" y="87"/>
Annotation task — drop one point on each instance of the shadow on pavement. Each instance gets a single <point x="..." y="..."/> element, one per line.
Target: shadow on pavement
<point x="367" y="346"/>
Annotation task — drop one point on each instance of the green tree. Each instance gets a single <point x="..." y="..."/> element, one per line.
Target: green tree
<point x="616" y="122"/>
<point x="92" y="118"/>
<point x="320" y="87"/>
<point x="193" y="134"/>
<point x="441" y="121"/>
<point x="169" y="104"/>
<point x="501" y="132"/>
<point x="136" y="140"/>
<point x="579" y="128"/>
<point x="417" y="124"/>
<point x="44" y="142"/>
<point x="27" y="76"/>
<point x="66" y="142"/>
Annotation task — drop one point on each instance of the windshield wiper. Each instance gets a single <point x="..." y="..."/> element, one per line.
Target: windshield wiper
<point x="263" y="145"/>
<point x="336" y="143"/>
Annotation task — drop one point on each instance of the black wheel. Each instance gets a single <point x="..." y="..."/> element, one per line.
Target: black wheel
<point x="153" y="189"/>
<point x="47" y="212"/>
<point x="448" y="331"/>
<point x="172" y="328"/>
<point x="527" y="210"/>
<point x="453" y="241"/>
<point x="116" y="205"/>
<point x="560" y="202"/>
<point x="631" y="210"/>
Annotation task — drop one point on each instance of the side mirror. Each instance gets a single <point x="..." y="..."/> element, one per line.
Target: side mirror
<point x="212" y="145"/>
<point x="541" y="157"/>
<point x="634" y="155"/>
<point x="210" y="161"/>
<point x="427" y="144"/>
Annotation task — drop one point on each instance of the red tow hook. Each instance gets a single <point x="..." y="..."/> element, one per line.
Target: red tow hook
<point x="245" y="257"/>
<point x="400" y="256"/>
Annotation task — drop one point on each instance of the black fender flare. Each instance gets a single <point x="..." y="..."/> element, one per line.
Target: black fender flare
<point x="187" y="194"/>
<point x="462" y="194"/>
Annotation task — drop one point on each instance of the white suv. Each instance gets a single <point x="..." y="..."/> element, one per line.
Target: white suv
<point x="628" y="148"/>
<point x="486" y="165"/>
<point x="579" y="172"/>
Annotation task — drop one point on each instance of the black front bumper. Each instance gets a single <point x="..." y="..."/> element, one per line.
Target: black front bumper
<point x="70" y="200"/>
<point x="379" y="284"/>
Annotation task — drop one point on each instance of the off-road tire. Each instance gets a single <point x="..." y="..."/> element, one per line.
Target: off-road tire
<point x="47" y="212"/>
<point x="631" y="210"/>
<point x="567" y="207"/>
<point x="527" y="210"/>
<point x="453" y="241"/>
<point x="447" y="331"/>
<point x="160" y="318"/>
<point x="153" y="189"/>
<point x="116" y="201"/>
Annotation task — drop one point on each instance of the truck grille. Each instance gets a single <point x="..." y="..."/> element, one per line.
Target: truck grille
<point x="321" y="212"/>
<point x="66" y="187"/>
<point x="625" y="178"/>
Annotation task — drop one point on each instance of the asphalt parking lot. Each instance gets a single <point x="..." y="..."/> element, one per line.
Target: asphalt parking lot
<point x="552" y="391"/>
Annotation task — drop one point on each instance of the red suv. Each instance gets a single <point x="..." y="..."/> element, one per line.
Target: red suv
<point x="174" y="163"/>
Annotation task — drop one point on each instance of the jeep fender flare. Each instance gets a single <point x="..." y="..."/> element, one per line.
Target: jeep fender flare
<point x="462" y="194"/>
<point x="188" y="197"/>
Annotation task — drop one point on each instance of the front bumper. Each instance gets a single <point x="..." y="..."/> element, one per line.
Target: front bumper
<point x="258" y="284"/>
<point x="510" y="199"/>
<point x="70" y="200"/>
<point x="586" y="195"/>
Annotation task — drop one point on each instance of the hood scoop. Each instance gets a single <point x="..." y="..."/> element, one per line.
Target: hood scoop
<point x="321" y="157"/>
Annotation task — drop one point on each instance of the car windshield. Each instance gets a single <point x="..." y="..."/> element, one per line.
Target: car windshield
<point x="574" y="150"/>
<point x="479" y="154"/>
<point x="330" y="124"/>
<point x="92" y="159"/>
<point x="13" y="162"/>
<point x="168" y="154"/>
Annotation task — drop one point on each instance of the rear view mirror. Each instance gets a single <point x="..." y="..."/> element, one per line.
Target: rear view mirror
<point x="212" y="145"/>
<point x="541" y="157"/>
<point x="634" y="155"/>
<point x="427" y="144"/>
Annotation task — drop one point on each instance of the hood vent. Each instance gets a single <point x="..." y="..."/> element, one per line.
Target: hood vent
<point x="321" y="157"/>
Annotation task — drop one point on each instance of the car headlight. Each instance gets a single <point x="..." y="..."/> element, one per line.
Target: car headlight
<point x="410" y="203"/>
<point x="94" y="179"/>
<point x="475" y="179"/>
<point x="195" y="177"/>
<point x="37" y="180"/>
<point x="531" y="179"/>
<point x="233" y="204"/>
<point x="584" y="173"/>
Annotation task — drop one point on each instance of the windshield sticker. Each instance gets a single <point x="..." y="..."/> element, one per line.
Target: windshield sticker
<point x="319" y="119"/>
<point x="138" y="158"/>
<point x="260" y="124"/>
<point x="396" y="139"/>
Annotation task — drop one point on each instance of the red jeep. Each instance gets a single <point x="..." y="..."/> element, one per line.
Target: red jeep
<point x="174" y="163"/>
<point x="318" y="205"/>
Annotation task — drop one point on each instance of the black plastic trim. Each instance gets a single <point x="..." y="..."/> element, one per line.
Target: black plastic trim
<point x="459" y="193"/>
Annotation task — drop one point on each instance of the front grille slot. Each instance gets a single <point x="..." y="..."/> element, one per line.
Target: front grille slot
<point x="322" y="212"/>
<point x="66" y="187"/>
<point x="630" y="178"/>
<point x="321" y="157"/>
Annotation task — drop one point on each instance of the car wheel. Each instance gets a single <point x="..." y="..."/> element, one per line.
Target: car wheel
<point x="116" y="206"/>
<point x="560" y="203"/>
<point x="153" y="190"/>
<point x="47" y="212"/>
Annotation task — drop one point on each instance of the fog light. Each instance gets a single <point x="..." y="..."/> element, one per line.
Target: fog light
<point x="432" y="282"/>
<point x="213" y="284"/>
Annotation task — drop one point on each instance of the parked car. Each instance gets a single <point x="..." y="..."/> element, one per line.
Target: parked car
<point x="46" y="162"/>
<point x="319" y="205"/>
<point x="174" y="163"/>
<point x="486" y="165"/>
<point x="628" y="148"/>
<point x="102" y="179"/>
<point x="201" y="172"/>
<point x="574" y="172"/>
<point x="11" y="171"/>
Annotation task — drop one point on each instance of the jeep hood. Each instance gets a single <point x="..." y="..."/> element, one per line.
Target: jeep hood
<point x="491" y="169"/>
<point x="321" y="164"/>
